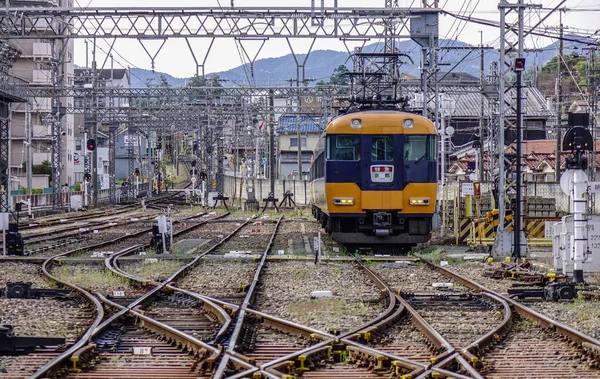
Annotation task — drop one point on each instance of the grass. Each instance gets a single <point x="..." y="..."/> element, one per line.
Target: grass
<point x="326" y="310"/>
<point x="299" y="273"/>
<point x="336" y="271"/>
<point x="523" y="325"/>
<point x="370" y="263"/>
<point x="89" y="277"/>
<point x="161" y="269"/>
<point x="437" y="255"/>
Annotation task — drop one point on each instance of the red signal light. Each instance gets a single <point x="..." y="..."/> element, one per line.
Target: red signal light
<point x="520" y="64"/>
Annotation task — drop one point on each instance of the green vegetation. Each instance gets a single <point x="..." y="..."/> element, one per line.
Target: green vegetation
<point x="338" y="77"/>
<point x="154" y="271"/>
<point x="437" y="255"/>
<point x="89" y="277"/>
<point x="574" y="64"/>
<point x="523" y="325"/>
<point x="369" y="263"/>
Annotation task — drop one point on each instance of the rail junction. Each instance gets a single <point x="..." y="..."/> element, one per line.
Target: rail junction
<point x="198" y="265"/>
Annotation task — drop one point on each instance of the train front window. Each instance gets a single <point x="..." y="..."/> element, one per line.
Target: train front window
<point x="343" y="147"/>
<point x="382" y="148"/>
<point x="418" y="148"/>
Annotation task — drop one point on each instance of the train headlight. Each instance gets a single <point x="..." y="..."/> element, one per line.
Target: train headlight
<point x="356" y="123"/>
<point x="343" y="200"/>
<point x="409" y="123"/>
<point x="419" y="201"/>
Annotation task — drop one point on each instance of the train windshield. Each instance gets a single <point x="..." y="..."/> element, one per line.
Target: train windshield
<point x="382" y="148"/>
<point x="418" y="148"/>
<point x="343" y="147"/>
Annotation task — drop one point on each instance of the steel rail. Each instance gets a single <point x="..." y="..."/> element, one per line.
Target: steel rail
<point x="247" y="299"/>
<point x="530" y="314"/>
<point x="112" y="264"/>
<point x="185" y="339"/>
<point x="390" y="314"/>
<point x="41" y="372"/>
<point x="97" y="324"/>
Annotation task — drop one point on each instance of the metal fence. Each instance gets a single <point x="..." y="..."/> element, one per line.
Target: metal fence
<point x="40" y="201"/>
<point x="547" y="190"/>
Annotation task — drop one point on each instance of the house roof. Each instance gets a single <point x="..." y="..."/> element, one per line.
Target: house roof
<point x="308" y="124"/>
<point x="537" y="154"/>
<point x="467" y="97"/>
<point x="117" y="73"/>
<point x="457" y="76"/>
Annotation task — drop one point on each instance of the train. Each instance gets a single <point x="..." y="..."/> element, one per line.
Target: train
<point x="374" y="179"/>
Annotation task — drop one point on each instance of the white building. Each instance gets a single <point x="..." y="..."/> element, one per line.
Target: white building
<point x="34" y="66"/>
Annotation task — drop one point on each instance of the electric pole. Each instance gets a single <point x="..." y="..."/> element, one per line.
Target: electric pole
<point x="559" y="100"/>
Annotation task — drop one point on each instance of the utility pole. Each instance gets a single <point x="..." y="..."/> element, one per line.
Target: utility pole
<point x="481" y="105"/>
<point x="29" y="147"/>
<point x="271" y="144"/>
<point x="559" y="100"/>
<point x="94" y="131"/>
<point x="511" y="44"/>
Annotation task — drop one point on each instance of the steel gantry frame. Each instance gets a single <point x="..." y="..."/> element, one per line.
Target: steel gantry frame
<point x="59" y="24"/>
<point x="226" y="22"/>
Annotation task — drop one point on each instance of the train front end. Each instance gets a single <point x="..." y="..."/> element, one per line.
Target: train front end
<point x="380" y="178"/>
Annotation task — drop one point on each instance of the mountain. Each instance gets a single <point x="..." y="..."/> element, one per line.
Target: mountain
<point x="321" y="63"/>
<point x="141" y="78"/>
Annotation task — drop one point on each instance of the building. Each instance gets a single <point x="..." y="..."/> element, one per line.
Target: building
<point x="311" y="127"/>
<point x="539" y="158"/>
<point x="34" y="66"/>
<point x="462" y="106"/>
<point x="116" y="78"/>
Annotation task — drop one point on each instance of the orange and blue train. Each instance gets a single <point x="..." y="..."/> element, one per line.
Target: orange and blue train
<point x="374" y="178"/>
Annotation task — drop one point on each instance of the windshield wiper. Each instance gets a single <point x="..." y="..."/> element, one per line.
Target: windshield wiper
<point x="420" y="159"/>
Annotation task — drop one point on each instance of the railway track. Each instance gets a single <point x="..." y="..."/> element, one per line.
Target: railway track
<point x="219" y="308"/>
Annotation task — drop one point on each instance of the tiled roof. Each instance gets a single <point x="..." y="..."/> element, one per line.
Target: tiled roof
<point x="467" y="97"/>
<point x="308" y="124"/>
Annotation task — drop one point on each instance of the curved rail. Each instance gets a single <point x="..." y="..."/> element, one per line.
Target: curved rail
<point x="41" y="372"/>
<point x="566" y="331"/>
<point x="97" y="325"/>
<point x="247" y="299"/>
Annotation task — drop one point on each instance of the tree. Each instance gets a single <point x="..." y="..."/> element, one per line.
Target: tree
<point x="164" y="82"/>
<point x="339" y="76"/>
<point x="199" y="82"/>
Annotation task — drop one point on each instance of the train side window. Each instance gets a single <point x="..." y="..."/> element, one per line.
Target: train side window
<point x="343" y="148"/>
<point x="417" y="148"/>
<point x="382" y="148"/>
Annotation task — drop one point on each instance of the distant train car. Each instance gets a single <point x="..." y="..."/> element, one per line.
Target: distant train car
<point x="374" y="178"/>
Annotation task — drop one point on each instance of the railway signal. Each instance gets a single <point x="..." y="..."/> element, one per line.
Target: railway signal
<point x="91" y="144"/>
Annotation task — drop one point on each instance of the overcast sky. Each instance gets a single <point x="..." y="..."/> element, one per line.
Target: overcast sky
<point x="176" y="59"/>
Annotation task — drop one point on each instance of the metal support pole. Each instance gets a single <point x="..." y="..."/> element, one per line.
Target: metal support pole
<point x="131" y="135"/>
<point x="481" y="108"/>
<point x="111" y="166"/>
<point x="578" y="208"/>
<point x="54" y="121"/>
<point x="559" y="107"/>
<point x="94" y="131"/>
<point x="4" y="157"/>
<point x="518" y="217"/>
<point x="443" y="170"/>
<point x="271" y="143"/>
<point x="29" y="149"/>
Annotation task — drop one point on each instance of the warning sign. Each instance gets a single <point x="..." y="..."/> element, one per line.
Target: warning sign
<point x="467" y="189"/>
